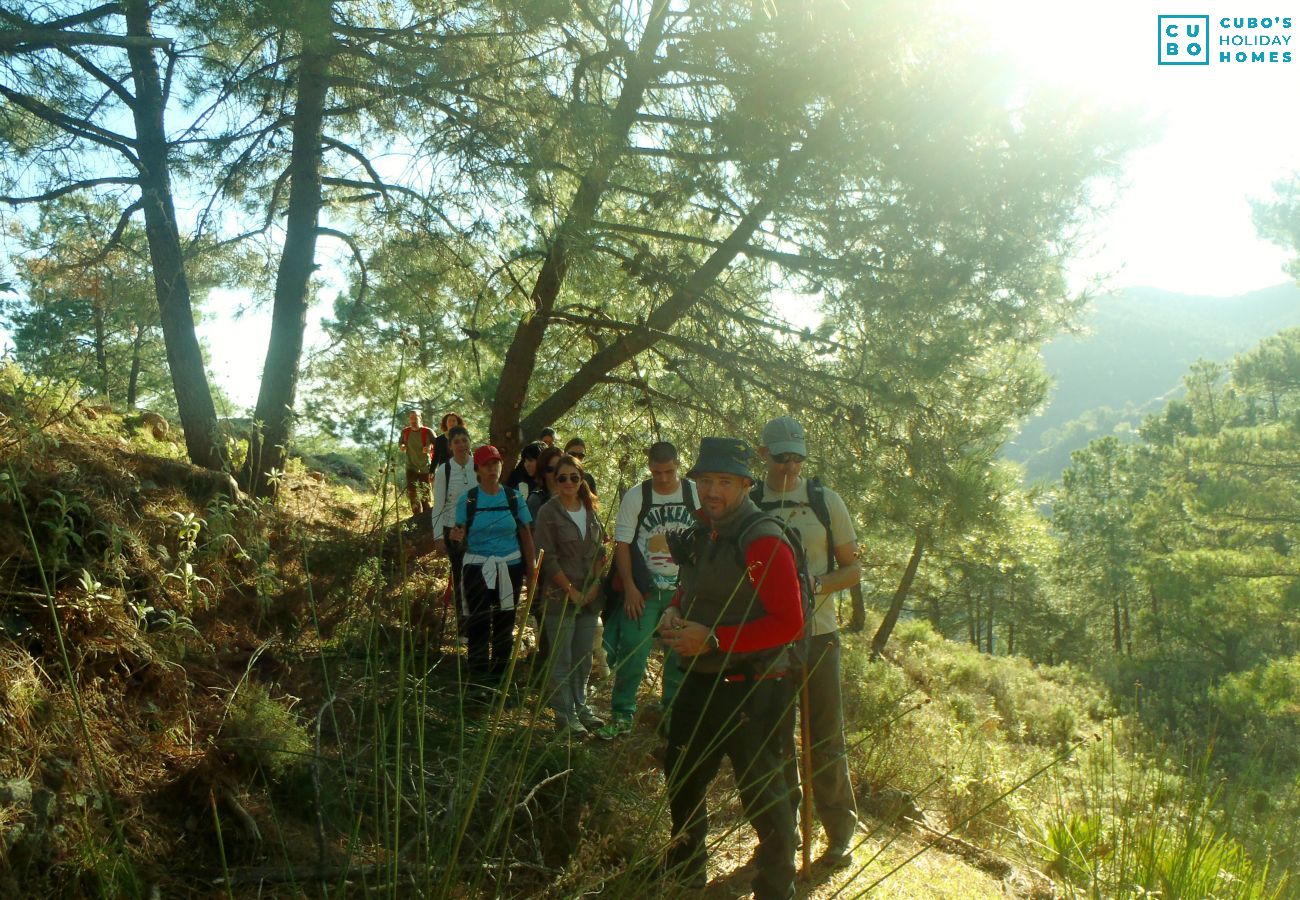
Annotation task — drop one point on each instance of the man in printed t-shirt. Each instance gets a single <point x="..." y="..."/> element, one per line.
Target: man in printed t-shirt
<point x="647" y="513"/>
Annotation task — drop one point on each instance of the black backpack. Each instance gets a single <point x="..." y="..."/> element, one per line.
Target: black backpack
<point x="471" y="508"/>
<point x="816" y="500"/>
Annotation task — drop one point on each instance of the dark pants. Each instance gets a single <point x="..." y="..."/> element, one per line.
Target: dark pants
<point x="832" y="789"/>
<point x="456" y="554"/>
<point x="489" y="629"/>
<point x="750" y="723"/>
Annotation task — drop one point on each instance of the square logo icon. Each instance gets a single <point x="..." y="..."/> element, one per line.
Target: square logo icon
<point x="1184" y="40"/>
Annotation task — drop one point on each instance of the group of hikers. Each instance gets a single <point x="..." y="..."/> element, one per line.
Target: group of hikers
<point x="735" y="577"/>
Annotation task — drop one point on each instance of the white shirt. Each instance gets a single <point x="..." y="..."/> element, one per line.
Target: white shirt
<point x="448" y="485"/>
<point x="579" y="517"/>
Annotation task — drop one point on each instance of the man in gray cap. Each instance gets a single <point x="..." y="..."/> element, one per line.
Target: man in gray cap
<point x="736" y="610"/>
<point x="830" y="548"/>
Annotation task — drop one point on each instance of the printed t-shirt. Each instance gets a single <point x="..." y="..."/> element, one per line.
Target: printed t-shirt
<point x="667" y="513"/>
<point x="494" y="532"/>
<point x="796" y="511"/>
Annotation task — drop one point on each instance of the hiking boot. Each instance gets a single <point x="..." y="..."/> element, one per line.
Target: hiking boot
<point x="617" y="727"/>
<point x="574" y="731"/>
<point x="591" y="721"/>
<point x="837" y="855"/>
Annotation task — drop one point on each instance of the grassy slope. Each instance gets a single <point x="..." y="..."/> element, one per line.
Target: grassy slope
<point x="288" y="707"/>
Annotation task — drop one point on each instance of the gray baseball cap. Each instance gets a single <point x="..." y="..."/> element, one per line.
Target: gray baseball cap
<point x="784" y="435"/>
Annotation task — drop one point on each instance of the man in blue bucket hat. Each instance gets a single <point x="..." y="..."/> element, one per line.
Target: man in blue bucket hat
<point x="736" y="610"/>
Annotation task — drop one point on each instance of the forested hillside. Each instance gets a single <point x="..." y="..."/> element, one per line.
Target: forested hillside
<point x="226" y="696"/>
<point x="1130" y="359"/>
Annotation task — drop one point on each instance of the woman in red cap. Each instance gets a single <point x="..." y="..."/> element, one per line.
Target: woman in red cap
<point x="492" y="522"/>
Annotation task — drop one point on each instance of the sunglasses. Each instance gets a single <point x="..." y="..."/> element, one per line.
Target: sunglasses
<point x="550" y="470"/>
<point x="577" y="455"/>
<point x="565" y="479"/>
<point x="791" y="457"/>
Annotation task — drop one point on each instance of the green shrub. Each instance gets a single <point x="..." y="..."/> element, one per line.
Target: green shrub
<point x="263" y="732"/>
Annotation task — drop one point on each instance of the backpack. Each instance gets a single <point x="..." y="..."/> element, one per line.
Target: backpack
<point x="816" y="500"/>
<point x="471" y="508"/>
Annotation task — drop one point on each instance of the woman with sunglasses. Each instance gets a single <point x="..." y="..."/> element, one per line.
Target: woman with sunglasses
<point x="574" y="544"/>
<point x="543" y="487"/>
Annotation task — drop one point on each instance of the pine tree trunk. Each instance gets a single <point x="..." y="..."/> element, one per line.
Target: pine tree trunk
<point x="273" y="419"/>
<point x="194" y="403"/>
<point x="101" y="352"/>
<point x="858" y="621"/>
<point x="900" y="595"/>
<point x="133" y="382"/>
<point x="517" y="369"/>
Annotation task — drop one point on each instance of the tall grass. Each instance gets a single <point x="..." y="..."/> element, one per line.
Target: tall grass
<point x="1135" y="827"/>
<point x="119" y="876"/>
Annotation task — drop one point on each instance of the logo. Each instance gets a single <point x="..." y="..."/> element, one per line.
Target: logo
<point x="1184" y="40"/>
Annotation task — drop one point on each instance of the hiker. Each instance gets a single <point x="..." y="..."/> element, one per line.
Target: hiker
<point x="577" y="448"/>
<point x="492" y="522"/>
<point x="451" y="480"/>
<point x="573" y="539"/>
<point x="547" y="461"/>
<point x="647" y="576"/>
<point x="417" y="443"/>
<point x="523" y="477"/>
<point x="822" y="521"/>
<point x="545" y="479"/>
<point x="547" y="436"/>
<point x="737" y="607"/>
<point x="442" y="445"/>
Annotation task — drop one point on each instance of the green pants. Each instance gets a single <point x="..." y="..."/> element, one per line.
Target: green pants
<point x="628" y="644"/>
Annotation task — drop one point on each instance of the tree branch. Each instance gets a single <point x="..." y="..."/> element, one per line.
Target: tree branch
<point x="55" y="193"/>
<point x="73" y="126"/>
<point x="114" y="241"/>
<point x="25" y="40"/>
<point x="356" y="255"/>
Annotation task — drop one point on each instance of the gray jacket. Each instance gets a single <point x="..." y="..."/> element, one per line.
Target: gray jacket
<point x="581" y="557"/>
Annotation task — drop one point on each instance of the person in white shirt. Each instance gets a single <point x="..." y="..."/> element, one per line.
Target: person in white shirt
<point x="648" y="575"/>
<point x="450" y="480"/>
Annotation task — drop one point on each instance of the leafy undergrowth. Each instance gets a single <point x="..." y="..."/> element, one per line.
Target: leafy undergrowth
<point x="232" y="698"/>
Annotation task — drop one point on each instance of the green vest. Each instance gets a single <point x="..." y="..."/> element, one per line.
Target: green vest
<point x="716" y="590"/>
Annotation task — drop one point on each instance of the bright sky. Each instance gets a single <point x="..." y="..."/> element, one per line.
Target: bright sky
<point x="1182" y="221"/>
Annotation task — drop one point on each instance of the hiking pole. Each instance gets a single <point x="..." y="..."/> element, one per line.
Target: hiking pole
<point x="805" y="768"/>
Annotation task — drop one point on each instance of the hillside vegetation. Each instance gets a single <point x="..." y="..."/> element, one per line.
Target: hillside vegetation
<point x="1128" y="359"/>
<point x="207" y="695"/>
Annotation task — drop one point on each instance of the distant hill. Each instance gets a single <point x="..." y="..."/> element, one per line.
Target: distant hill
<point x="1139" y="344"/>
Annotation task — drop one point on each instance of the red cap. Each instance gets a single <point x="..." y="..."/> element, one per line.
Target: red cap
<point x="486" y="454"/>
